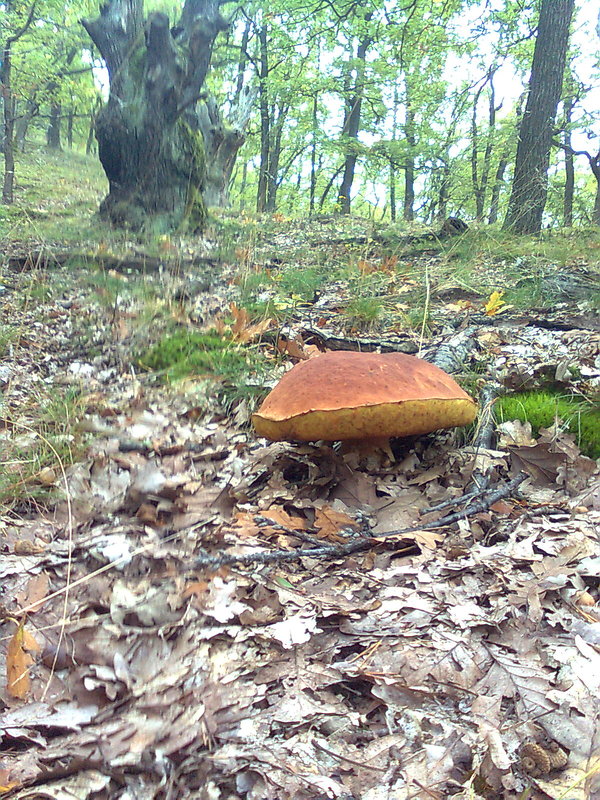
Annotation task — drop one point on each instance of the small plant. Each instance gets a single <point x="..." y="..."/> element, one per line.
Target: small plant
<point x="302" y="282"/>
<point x="35" y="452"/>
<point x="8" y="334"/>
<point x="542" y="408"/>
<point x="364" y="312"/>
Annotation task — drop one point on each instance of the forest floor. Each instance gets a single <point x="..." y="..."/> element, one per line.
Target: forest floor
<point x="152" y="650"/>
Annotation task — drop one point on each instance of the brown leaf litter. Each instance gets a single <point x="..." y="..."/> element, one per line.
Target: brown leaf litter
<point x="457" y="662"/>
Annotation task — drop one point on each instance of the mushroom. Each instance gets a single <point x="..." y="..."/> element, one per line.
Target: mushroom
<point x="345" y="395"/>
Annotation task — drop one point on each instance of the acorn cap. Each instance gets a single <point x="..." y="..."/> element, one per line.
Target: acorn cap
<point x="345" y="395"/>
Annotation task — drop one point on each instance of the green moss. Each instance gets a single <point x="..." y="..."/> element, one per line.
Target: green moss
<point x="185" y="353"/>
<point x="541" y="408"/>
<point x="195" y="214"/>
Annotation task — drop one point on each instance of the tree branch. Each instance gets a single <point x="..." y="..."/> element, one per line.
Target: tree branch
<point x="23" y="29"/>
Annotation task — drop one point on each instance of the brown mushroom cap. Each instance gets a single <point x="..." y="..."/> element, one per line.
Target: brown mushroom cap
<point x="346" y="395"/>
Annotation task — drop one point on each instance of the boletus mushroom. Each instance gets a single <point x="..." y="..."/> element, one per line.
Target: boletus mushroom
<point x="342" y="395"/>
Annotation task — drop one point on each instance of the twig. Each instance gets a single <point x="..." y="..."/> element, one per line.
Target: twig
<point x="483" y="441"/>
<point x="357" y="544"/>
<point x="487" y="500"/>
<point x="318" y="746"/>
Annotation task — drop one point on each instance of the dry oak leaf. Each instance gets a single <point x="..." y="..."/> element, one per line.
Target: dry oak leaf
<point x="243" y="331"/>
<point x="19" y="660"/>
<point x="329" y="522"/>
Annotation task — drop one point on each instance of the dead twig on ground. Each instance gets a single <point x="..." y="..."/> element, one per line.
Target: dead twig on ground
<point x="362" y="540"/>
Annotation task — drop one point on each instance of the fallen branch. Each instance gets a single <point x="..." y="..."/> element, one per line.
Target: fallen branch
<point x="363" y="540"/>
<point x="482" y="441"/>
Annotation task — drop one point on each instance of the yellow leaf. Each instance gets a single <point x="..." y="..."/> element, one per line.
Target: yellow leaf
<point x="495" y="305"/>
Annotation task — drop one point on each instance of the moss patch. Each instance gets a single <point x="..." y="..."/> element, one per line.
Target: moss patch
<point x="204" y="355"/>
<point x="541" y="408"/>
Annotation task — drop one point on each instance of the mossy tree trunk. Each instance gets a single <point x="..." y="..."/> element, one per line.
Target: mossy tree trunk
<point x="148" y="138"/>
<point x="222" y="141"/>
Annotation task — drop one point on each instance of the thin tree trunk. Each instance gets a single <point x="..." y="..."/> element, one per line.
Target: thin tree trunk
<point x="8" y="139"/>
<point x="391" y="159"/>
<point x="444" y="191"/>
<point x="53" y="132"/>
<point x="327" y="189"/>
<point x="480" y="173"/>
<point x="314" y="140"/>
<point x="497" y="187"/>
<point x="274" y="156"/>
<point x="530" y="181"/>
<point x="352" y="124"/>
<point x="265" y="132"/>
<point x="32" y="109"/>
<point x="569" y="166"/>
<point x="408" y="211"/>
<point x="70" y="118"/>
<point x="9" y="128"/>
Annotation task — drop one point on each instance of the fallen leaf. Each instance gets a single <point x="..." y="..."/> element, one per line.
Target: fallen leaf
<point x="18" y="662"/>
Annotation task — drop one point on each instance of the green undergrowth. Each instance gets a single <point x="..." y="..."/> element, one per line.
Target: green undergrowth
<point x="37" y="445"/>
<point x="56" y="198"/>
<point x="542" y="408"/>
<point x="236" y="370"/>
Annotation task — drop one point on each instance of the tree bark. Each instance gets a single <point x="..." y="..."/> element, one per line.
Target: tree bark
<point x="480" y="172"/>
<point x="352" y="123"/>
<point x="152" y="156"/>
<point x="32" y="109"/>
<point x="594" y="162"/>
<point x="53" y="131"/>
<point x="222" y="141"/>
<point x="497" y="187"/>
<point x="265" y="121"/>
<point x="9" y="103"/>
<point x="530" y="180"/>
<point x="569" y="166"/>
<point x="408" y="211"/>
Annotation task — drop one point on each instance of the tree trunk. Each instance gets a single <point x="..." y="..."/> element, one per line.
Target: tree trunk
<point x="265" y="120"/>
<point x="313" y="156"/>
<point x="497" y="187"/>
<point x="480" y="172"/>
<point x="530" y="180"/>
<point x="32" y="109"/>
<point x="444" y="190"/>
<point x="408" y="211"/>
<point x="222" y="141"/>
<point x="352" y="123"/>
<point x="274" y="158"/>
<point x="70" y="119"/>
<point x="53" y="132"/>
<point x="9" y="103"/>
<point x="9" y="128"/>
<point x="569" y="166"/>
<point x="153" y="158"/>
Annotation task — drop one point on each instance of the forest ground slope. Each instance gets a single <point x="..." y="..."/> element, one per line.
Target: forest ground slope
<point x="191" y="611"/>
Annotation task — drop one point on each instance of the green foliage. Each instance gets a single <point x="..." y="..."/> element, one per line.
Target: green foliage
<point x="206" y="355"/>
<point x="46" y="438"/>
<point x="302" y="282"/>
<point x="542" y="408"/>
<point x="364" y="312"/>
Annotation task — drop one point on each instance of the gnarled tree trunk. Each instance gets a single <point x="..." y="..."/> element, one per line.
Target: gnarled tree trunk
<point x="153" y="157"/>
<point x="222" y="140"/>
